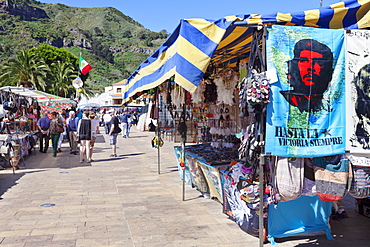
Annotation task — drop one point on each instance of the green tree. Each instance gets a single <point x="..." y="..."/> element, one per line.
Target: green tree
<point x="26" y="69"/>
<point x="61" y="74"/>
<point x="52" y="54"/>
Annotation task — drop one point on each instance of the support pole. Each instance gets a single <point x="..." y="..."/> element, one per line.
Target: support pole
<point x="158" y="129"/>
<point x="262" y="143"/>
<point x="183" y="169"/>
<point x="159" y="148"/>
<point x="183" y="134"/>
<point x="261" y="166"/>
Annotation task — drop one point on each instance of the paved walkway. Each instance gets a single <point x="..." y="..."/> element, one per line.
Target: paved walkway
<point x="123" y="201"/>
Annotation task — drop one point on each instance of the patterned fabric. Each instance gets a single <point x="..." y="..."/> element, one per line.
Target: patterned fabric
<point x="289" y="175"/>
<point x="331" y="176"/>
<point x="360" y="187"/>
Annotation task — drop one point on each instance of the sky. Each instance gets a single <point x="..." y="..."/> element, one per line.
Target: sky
<point x="158" y="15"/>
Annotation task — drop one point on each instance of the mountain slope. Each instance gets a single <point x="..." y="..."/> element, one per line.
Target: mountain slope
<point x="113" y="43"/>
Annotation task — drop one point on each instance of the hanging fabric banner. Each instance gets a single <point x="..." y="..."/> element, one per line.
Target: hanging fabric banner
<point x="306" y="115"/>
<point x="358" y="96"/>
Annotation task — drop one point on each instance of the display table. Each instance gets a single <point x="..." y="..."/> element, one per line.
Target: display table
<point x="16" y="145"/>
<point x="203" y="165"/>
<point x="207" y="170"/>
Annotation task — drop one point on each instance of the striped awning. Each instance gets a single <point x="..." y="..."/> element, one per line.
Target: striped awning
<point x="196" y="43"/>
<point x="36" y="94"/>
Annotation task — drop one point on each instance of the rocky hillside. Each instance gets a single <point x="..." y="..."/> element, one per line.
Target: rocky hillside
<point x="113" y="43"/>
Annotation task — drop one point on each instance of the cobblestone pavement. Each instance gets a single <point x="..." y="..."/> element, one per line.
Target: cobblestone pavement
<point x="127" y="201"/>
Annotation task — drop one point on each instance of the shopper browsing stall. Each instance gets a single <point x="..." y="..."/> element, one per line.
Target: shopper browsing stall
<point x="43" y="124"/>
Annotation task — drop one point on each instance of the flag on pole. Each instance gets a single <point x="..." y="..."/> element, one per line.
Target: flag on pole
<point x="84" y="66"/>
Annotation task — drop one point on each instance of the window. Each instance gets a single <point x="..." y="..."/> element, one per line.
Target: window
<point x="119" y="90"/>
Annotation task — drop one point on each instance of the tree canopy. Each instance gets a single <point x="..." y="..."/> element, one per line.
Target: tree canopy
<point x="45" y="68"/>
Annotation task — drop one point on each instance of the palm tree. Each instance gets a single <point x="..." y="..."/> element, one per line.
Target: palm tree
<point x="27" y="70"/>
<point x="61" y="76"/>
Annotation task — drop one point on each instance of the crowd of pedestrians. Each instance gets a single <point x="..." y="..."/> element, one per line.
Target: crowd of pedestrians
<point x="81" y="129"/>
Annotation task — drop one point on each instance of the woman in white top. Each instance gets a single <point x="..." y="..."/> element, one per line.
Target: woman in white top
<point x="94" y="132"/>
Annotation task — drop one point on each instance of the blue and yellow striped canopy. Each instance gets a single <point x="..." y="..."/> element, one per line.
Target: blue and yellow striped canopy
<point x="196" y="43"/>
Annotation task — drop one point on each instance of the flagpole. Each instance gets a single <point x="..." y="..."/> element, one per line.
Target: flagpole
<point x="79" y="59"/>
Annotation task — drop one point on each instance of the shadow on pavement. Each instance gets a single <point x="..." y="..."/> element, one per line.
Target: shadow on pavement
<point x="8" y="180"/>
<point x="108" y="159"/>
<point x="170" y="171"/>
<point x="131" y="154"/>
<point x="119" y="157"/>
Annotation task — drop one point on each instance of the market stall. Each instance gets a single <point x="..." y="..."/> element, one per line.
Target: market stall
<point x="232" y="83"/>
<point x="19" y="111"/>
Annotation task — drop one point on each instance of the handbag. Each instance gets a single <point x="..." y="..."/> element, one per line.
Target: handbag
<point x="289" y="174"/>
<point x="59" y="128"/>
<point x="331" y="177"/>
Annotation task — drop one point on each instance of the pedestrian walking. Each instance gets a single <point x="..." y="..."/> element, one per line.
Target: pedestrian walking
<point x="43" y="124"/>
<point x="55" y="130"/>
<point x="72" y="124"/>
<point x="61" y="136"/>
<point x="113" y="133"/>
<point x="107" y="117"/>
<point x="125" y="122"/>
<point x="94" y="132"/>
<point x="84" y="134"/>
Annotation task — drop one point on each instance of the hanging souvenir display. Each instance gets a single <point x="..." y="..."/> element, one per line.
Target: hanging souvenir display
<point x="258" y="89"/>
<point x="197" y="95"/>
<point x="210" y="93"/>
<point x="360" y="187"/>
<point x="241" y="198"/>
<point x="226" y="81"/>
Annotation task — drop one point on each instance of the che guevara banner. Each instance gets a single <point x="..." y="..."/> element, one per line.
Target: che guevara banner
<point x="306" y="115"/>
